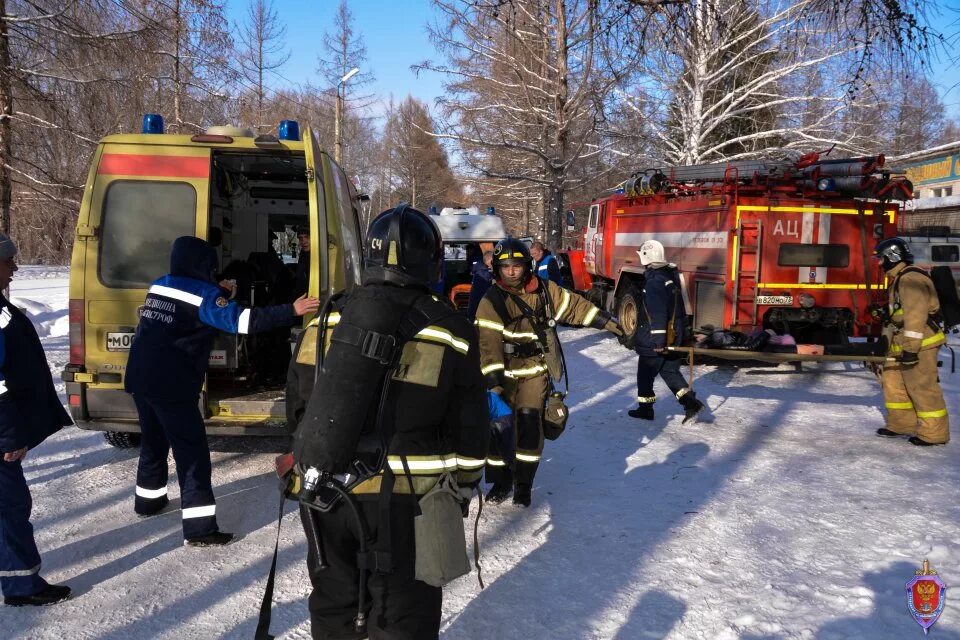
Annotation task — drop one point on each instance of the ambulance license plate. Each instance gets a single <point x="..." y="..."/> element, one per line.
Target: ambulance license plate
<point x="117" y="341"/>
<point x="775" y="300"/>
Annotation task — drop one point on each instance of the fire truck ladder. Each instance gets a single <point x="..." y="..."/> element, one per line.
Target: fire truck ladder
<point x="748" y="272"/>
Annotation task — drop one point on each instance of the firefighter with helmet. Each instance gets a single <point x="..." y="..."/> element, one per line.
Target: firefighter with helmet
<point x="400" y="370"/>
<point x="660" y="323"/>
<point x="911" y="388"/>
<point x="520" y="353"/>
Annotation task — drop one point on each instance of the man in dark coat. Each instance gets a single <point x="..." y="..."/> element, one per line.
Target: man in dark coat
<point x="165" y="372"/>
<point x="660" y="324"/>
<point x="30" y="412"/>
<point x="482" y="271"/>
<point x="301" y="280"/>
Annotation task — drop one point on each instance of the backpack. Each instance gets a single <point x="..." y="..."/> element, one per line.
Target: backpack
<point x="946" y="289"/>
<point x="342" y="431"/>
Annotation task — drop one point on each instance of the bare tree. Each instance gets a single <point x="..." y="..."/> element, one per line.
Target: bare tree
<point x="733" y="80"/>
<point x="527" y="94"/>
<point x="263" y="51"/>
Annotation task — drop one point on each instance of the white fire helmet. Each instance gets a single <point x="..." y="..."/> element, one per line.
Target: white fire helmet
<point x="651" y="251"/>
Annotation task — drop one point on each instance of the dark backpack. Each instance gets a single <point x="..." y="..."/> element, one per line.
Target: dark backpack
<point x="946" y="288"/>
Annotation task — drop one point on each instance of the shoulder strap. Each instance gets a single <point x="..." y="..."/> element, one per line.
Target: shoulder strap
<point x="495" y="294"/>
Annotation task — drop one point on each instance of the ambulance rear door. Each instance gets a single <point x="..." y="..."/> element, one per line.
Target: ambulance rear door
<point x="144" y="197"/>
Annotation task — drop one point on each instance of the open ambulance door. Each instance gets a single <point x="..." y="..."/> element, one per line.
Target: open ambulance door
<point x="334" y="224"/>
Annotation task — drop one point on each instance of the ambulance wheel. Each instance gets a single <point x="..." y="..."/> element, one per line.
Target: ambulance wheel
<point x="628" y="313"/>
<point x="122" y="440"/>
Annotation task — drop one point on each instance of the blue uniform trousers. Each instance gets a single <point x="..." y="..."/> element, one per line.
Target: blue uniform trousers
<point x="176" y="425"/>
<point x="19" y="558"/>
<point x="649" y="367"/>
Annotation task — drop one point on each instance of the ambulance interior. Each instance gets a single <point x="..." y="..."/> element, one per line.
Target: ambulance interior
<point x="258" y="202"/>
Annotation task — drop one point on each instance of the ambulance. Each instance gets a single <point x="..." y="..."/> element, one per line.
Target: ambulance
<point x="249" y="196"/>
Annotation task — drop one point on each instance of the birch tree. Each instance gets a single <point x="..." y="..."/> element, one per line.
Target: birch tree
<point x="733" y="80"/>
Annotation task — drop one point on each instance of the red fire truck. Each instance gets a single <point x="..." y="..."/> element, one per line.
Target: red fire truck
<point x="781" y="245"/>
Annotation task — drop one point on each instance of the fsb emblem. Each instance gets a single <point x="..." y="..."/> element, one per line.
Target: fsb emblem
<point x="926" y="595"/>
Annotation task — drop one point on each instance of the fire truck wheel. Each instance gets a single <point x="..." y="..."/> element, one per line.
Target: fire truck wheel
<point x="628" y="311"/>
<point x="122" y="440"/>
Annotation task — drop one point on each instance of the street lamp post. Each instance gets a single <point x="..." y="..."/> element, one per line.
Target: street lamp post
<point x="338" y="117"/>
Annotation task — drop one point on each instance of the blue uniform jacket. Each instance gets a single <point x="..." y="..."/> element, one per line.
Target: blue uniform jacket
<point x="30" y="410"/>
<point x="179" y="320"/>
<point x="482" y="279"/>
<point x="549" y="269"/>
<point x="661" y="295"/>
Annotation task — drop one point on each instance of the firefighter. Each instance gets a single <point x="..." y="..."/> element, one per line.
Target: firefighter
<point x="547" y="266"/>
<point x="911" y="388"/>
<point x="519" y="352"/>
<point x="436" y="410"/>
<point x="660" y="323"/>
<point x="165" y="372"/>
<point x="30" y="412"/>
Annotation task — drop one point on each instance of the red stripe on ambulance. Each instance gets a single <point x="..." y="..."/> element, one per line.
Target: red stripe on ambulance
<point x="123" y="164"/>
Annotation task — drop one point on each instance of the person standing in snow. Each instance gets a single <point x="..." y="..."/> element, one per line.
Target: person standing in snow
<point x="547" y="266"/>
<point x="660" y="323"/>
<point x="519" y="353"/>
<point x="165" y="372"/>
<point x="911" y="388"/>
<point x="30" y="412"/>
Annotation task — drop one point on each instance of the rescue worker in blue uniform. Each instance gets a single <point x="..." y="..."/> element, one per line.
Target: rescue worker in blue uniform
<point x="436" y="409"/>
<point x="30" y="412"/>
<point x="660" y="323"/>
<point x="482" y="271"/>
<point x="165" y="372"/>
<point x="547" y="266"/>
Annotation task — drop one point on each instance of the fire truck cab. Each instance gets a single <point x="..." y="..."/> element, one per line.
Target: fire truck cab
<point x="758" y="246"/>
<point x="248" y="196"/>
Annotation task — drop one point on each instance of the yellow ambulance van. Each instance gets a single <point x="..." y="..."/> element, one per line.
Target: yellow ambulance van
<point x="245" y="195"/>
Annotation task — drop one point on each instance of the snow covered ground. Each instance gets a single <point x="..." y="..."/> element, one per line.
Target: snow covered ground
<point x="783" y="517"/>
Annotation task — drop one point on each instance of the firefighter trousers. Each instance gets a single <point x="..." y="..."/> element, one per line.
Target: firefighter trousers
<point x="668" y="368"/>
<point x="526" y="396"/>
<point x="400" y="607"/>
<point x="177" y="425"/>
<point x="914" y="400"/>
<point x="19" y="558"/>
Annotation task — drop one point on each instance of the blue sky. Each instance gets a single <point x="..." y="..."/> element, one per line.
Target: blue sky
<point x="394" y="31"/>
<point x="396" y="37"/>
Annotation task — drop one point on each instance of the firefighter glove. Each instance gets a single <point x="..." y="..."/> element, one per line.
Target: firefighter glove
<point x="909" y="359"/>
<point x="613" y="327"/>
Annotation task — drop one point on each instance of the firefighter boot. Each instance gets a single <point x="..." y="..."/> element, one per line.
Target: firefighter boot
<point x="691" y="407"/>
<point x="886" y="433"/>
<point x="916" y="441"/>
<point x="644" y="411"/>
<point x="498" y="492"/>
<point x="521" y="495"/>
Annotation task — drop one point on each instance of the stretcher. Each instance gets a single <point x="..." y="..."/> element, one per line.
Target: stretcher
<point x="770" y="356"/>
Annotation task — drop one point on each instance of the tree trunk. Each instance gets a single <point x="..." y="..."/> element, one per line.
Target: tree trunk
<point x="177" y="115"/>
<point x="6" y="110"/>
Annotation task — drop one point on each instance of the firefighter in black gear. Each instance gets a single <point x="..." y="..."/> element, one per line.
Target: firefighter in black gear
<point x="432" y="419"/>
<point x="520" y="353"/>
<point x="660" y="324"/>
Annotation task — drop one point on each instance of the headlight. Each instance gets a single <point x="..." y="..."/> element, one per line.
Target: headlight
<point x="806" y="300"/>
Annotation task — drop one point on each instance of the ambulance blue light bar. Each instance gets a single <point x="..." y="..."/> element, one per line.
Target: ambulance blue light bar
<point x="152" y="123"/>
<point x="288" y="130"/>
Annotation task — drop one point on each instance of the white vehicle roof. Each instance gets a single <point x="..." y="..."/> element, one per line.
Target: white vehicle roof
<point x="468" y="225"/>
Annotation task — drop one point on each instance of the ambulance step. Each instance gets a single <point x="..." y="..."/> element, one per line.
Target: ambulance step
<point x="257" y="405"/>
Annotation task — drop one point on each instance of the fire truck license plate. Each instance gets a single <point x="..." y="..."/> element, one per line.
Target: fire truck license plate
<point x="778" y="300"/>
<point x="119" y="341"/>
